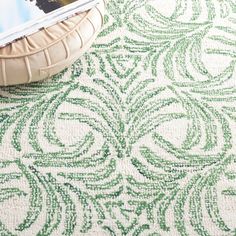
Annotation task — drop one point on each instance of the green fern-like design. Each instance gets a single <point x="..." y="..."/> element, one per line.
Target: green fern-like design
<point x="136" y="137"/>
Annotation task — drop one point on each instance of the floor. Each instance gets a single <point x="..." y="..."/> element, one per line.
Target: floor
<point x="136" y="138"/>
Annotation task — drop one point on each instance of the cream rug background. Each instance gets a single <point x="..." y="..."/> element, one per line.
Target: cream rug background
<point x="136" y="138"/>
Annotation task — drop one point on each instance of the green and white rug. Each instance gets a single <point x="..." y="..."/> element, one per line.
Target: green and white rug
<point x="138" y="137"/>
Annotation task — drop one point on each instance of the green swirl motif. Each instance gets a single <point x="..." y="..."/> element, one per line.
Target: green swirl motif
<point x="136" y="138"/>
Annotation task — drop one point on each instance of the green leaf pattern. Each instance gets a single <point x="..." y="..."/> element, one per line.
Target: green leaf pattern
<point x="136" y="138"/>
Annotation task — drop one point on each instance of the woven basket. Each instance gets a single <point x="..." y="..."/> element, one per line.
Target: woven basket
<point x="50" y="50"/>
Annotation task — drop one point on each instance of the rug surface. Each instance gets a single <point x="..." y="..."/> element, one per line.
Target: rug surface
<point x="136" y="138"/>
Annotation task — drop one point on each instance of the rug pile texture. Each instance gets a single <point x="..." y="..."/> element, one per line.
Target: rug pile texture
<point x="138" y="137"/>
